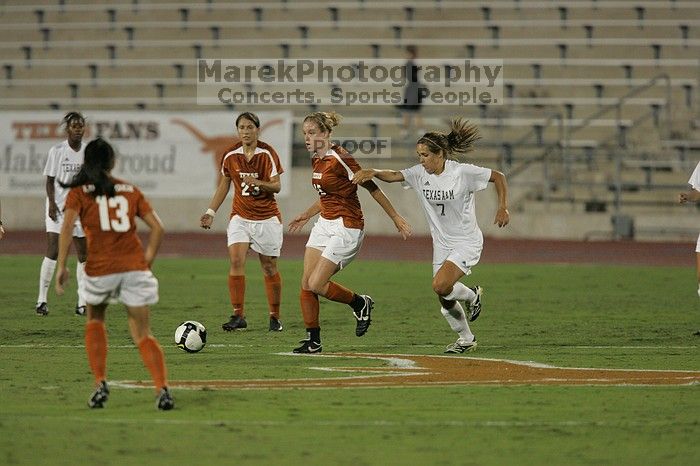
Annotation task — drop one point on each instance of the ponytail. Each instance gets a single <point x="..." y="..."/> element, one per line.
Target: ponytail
<point x="99" y="161"/>
<point x="460" y="140"/>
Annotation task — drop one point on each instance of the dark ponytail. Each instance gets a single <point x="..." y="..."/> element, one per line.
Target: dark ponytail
<point x="99" y="161"/>
<point x="460" y="140"/>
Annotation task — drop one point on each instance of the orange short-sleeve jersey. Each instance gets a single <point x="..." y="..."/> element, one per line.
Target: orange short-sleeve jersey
<point x="332" y="178"/>
<point x="110" y="227"/>
<point x="248" y="202"/>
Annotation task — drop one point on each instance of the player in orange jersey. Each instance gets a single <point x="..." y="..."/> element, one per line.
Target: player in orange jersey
<point x="337" y="235"/>
<point x="253" y="167"/>
<point x="117" y="266"/>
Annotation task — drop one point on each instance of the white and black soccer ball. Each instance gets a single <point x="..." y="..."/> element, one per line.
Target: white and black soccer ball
<point x="191" y="336"/>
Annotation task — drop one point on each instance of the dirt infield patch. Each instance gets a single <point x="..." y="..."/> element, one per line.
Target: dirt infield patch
<point x="414" y="370"/>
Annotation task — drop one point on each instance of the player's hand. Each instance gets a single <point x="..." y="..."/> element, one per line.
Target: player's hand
<point x="62" y="276"/>
<point x="250" y="180"/>
<point x="683" y="198"/>
<point x="298" y="223"/>
<point x="53" y="211"/>
<point x="502" y="217"/>
<point x="363" y="175"/>
<point x="205" y="221"/>
<point x="403" y="226"/>
<point x="2" y="232"/>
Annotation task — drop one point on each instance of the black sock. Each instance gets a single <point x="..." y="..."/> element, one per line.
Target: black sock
<point x="357" y="303"/>
<point x="314" y="334"/>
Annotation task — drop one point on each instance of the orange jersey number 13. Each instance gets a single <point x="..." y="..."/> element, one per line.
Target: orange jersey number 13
<point x="119" y="224"/>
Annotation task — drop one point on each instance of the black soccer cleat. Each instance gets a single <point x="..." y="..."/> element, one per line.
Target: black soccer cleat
<point x="364" y="316"/>
<point x="308" y="347"/>
<point x="236" y="323"/>
<point x="164" y="400"/>
<point x="475" y="306"/>
<point x="80" y="310"/>
<point x="42" y="309"/>
<point x="275" y="325"/>
<point x="100" y="396"/>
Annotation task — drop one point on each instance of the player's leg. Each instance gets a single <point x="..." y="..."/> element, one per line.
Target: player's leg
<point x="444" y="283"/>
<point x="341" y="249"/>
<point x="266" y="240"/>
<point x="273" y="289"/>
<point x="80" y="244"/>
<point x="48" y="266"/>
<point x="238" y="241"/>
<point x="697" y="266"/>
<point x="96" y="348"/>
<point x="308" y="301"/>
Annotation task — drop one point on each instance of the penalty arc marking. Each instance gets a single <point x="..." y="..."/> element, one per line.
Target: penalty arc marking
<point x="401" y="370"/>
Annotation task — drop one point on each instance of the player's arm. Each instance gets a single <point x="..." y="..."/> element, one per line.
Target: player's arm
<point x="689" y="196"/>
<point x="273" y="186"/>
<point x="51" y="196"/>
<point x="155" y="236"/>
<point x="301" y="219"/>
<point x="366" y="174"/>
<point x="64" y="241"/>
<point x="502" y="214"/>
<point x="220" y="194"/>
<point x="378" y="195"/>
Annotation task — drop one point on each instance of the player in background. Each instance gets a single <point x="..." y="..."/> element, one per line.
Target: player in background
<point x="446" y="191"/>
<point x="693" y="195"/>
<point x="117" y="266"/>
<point x="255" y="222"/>
<point x="64" y="161"/>
<point x="337" y="235"/>
<point x="2" y="230"/>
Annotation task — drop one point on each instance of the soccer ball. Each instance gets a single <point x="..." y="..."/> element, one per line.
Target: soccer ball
<point x="191" y="336"/>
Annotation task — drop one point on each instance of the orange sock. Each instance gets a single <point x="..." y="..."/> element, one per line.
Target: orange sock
<point x="273" y="289"/>
<point x="236" y="290"/>
<point x="309" y="308"/>
<point x="96" y="347"/>
<point x="339" y="293"/>
<point x="153" y="358"/>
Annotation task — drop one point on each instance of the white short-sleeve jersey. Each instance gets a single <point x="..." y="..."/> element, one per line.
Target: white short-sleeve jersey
<point x="694" y="180"/>
<point x="448" y="201"/>
<point x="63" y="164"/>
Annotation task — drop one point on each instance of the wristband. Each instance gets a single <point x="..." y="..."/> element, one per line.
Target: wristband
<point x="210" y="212"/>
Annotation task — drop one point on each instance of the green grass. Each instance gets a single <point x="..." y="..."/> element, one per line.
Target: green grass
<point x="575" y="316"/>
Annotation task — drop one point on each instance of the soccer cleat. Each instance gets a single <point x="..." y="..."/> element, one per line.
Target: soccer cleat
<point x="164" y="400"/>
<point x="99" y="397"/>
<point x="42" y="309"/>
<point x="475" y="306"/>
<point x="308" y="347"/>
<point x="363" y="316"/>
<point x="80" y="310"/>
<point x="275" y="325"/>
<point x="461" y="347"/>
<point x="236" y="323"/>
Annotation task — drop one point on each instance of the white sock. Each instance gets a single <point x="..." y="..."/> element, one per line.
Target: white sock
<point x="460" y="292"/>
<point x="80" y="276"/>
<point x="45" y="275"/>
<point x="698" y="289"/>
<point x="458" y="322"/>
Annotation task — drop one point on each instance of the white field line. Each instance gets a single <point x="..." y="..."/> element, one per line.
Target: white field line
<point x="228" y="345"/>
<point x="97" y="419"/>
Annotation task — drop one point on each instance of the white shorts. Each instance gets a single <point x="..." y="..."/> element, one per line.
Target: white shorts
<point x="339" y="244"/>
<point x="465" y="256"/>
<point x="697" y="245"/>
<point x="264" y="236"/>
<point x="55" y="227"/>
<point x="135" y="288"/>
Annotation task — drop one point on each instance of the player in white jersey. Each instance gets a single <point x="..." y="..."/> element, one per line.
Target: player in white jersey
<point x="64" y="161"/>
<point x="446" y="190"/>
<point x="694" y="196"/>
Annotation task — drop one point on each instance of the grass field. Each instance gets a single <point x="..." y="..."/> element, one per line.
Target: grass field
<point x="571" y="316"/>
